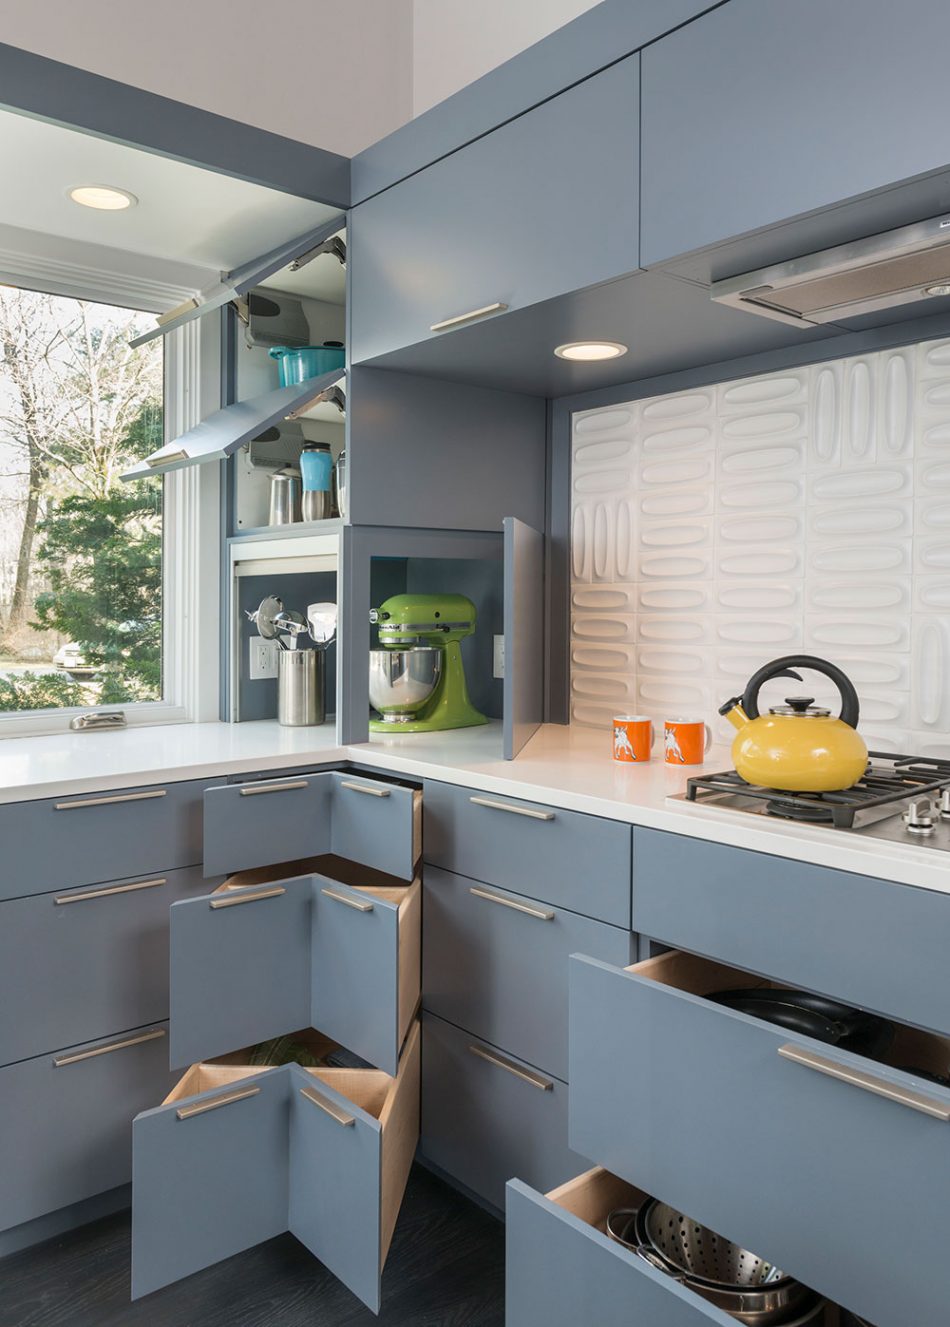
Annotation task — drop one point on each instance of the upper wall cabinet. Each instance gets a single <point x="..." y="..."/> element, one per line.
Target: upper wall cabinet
<point x="546" y="204"/>
<point x="763" y="110"/>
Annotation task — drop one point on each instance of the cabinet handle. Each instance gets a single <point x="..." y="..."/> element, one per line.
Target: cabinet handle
<point x="329" y="1107"/>
<point x="903" y="1096"/>
<point x="541" y="914"/>
<point x="469" y="317"/>
<point x="365" y="788"/>
<point x="515" y="810"/>
<point x="501" y="1062"/>
<point x="225" y="1099"/>
<point x="60" y="1060"/>
<point x="111" y="801"/>
<point x="232" y="900"/>
<point x="359" y="905"/>
<point x="256" y="790"/>
<point x="112" y="889"/>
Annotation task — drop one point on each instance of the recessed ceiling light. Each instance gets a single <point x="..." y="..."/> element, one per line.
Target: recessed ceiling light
<point x="590" y="350"/>
<point x="103" y="197"/>
<point x="941" y="288"/>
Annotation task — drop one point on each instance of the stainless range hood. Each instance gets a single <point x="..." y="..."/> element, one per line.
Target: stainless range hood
<point x="895" y="268"/>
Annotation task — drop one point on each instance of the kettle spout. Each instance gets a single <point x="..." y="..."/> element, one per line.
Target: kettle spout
<point x="733" y="711"/>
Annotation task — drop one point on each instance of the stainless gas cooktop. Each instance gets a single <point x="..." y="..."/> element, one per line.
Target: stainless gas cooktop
<point x="905" y="799"/>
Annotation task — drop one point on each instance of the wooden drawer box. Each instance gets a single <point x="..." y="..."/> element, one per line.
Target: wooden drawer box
<point x="236" y="1155"/>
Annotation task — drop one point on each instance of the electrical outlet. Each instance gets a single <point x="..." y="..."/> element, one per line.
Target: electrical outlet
<point x="263" y="659"/>
<point x="498" y="656"/>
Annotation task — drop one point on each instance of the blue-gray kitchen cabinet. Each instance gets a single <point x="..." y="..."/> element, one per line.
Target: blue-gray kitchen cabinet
<point x="783" y="1144"/>
<point x="496" y="963"/>
<point x="565" y="858"/>
<point x="66" y="1117"/>
<point x="807" y="925"/>
<point x="762" y="110"/>
<point x="377" y="823"/>
<point x="545" y="204"/>
<point x="488" y="1117"/>
<point x="64" y="841"/>
<point x="83" y="963"/>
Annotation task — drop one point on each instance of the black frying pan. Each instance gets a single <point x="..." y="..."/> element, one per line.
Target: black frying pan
<point x="814" y="1016"/>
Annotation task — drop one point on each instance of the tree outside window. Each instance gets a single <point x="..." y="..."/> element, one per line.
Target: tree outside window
<point x="80" y="552"/>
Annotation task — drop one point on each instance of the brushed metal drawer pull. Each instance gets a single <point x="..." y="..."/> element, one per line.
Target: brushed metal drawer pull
<point x="112" y="889"/>
<point x="470" y="317"/>
<point x="231" y="901"/>
<point x="515" y="810"/>
<point x="329" y="1107"/>
<point x="61" y="1060"/>
<point x="535" y="1080"/>
<point x="902" y="1096"/>
<point x="111" y="801"/>
<point x="256" y="791"/>
<point x="359" y="905"/>
<point x="365" y="788"/>
<point x="541" y="914"/>
<point x="226" y="1098"/>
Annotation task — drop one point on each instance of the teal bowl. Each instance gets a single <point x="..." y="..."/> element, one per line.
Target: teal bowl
<point x="298" y="363"/>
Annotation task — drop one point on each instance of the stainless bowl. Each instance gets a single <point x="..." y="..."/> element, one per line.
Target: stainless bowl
<point x="402" y="681"/>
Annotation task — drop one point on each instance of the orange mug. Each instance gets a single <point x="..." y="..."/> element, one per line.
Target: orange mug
<point x="633" y="737"/>
<point x="686" y="741"/>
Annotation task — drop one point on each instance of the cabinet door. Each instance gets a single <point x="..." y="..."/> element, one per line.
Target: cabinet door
<point x="376" y="824"/>
<point x="524" y="634"/>
<point x="760" y="111"/>
<point x="262" y="822"/>
<point x="546" y="204"/>
<point x="240" y="968"/>
<point x="209" y="1178"/>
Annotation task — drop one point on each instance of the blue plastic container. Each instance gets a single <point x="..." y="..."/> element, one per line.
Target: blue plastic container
<point x="316" y="469"/>
<point x="298" y="363"/>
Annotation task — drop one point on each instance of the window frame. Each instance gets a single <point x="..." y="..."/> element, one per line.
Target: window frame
<point x="191" y="507"/>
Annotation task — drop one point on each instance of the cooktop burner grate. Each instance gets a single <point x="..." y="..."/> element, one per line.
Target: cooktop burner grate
<point x="887" y="782"/>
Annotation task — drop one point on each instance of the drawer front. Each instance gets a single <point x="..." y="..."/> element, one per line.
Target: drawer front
<point x="65" y="1128"/>
<point x="81" y="963"/>
<point x="266" y="821"/>
<point x="209" y="1179"/>
<point x="703" y="1106"/>
<point x="570" y="860"/>
<point x="496" y="963"/>
<point x="806" y="925"/>
<point x="492" y="225"/>
<point x="69" y="841"/>
<point x="483" y="1123"/>
<point x="377" y="824"/>
<point x="562" y="1271"/>
<point x="240" y="968"/>
<point x="364" y="969"/>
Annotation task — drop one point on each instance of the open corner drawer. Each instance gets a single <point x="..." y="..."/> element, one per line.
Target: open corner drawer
<point x="236" y="1155"/>
<point x="373" y="820"/>
<point x="321" y="943"/>
<point x="835" y="1166"/>
<point x="563" y="1269"/>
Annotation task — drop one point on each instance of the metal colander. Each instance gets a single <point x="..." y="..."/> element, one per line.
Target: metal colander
<point x="697" y="1251"/>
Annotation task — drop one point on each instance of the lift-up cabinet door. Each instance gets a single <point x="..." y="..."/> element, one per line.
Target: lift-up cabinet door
<point x="240" y="968"/>
<point x="209" y="1178"/>
<point x="546" y="204"/>
<point x="262" y="822"/>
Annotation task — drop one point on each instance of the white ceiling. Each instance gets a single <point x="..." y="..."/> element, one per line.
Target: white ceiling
<point x="184" y="213"/>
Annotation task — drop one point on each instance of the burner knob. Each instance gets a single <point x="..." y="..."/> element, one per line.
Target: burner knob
<point x="945" y="804"/>
<point x="919" y="816"/>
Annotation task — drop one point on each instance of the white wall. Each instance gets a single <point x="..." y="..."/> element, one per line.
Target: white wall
<point x="336" y="73"/>
<point x="456" y="41"/>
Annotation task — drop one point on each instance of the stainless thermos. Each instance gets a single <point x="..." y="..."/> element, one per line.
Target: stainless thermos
<point x="284" y="498"/>
<point x="301" y="683"/>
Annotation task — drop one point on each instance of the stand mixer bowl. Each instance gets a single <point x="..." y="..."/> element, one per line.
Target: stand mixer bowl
<point x="401" y="682"/>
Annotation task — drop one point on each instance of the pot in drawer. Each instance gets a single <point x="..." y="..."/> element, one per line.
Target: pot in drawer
<point x="235" y="1156"/>
<point x="335" y="948"/>
<point x="777" y="1141"/>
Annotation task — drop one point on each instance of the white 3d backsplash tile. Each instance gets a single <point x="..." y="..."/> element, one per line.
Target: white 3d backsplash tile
<point x="808" y="511"/>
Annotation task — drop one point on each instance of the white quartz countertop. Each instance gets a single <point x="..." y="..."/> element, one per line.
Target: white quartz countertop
<point x="563" y="767"/>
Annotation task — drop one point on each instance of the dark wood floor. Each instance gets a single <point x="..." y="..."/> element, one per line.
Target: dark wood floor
<point x="445" y="1269"/>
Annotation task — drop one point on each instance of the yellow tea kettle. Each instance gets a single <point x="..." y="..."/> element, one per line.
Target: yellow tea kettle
<point x="798" y="746"/>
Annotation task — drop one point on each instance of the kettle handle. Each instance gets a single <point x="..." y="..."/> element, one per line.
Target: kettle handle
<point x="850" y="707"/>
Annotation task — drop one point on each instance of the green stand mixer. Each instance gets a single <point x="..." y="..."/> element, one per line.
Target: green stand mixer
<point x="416" y="680"/>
